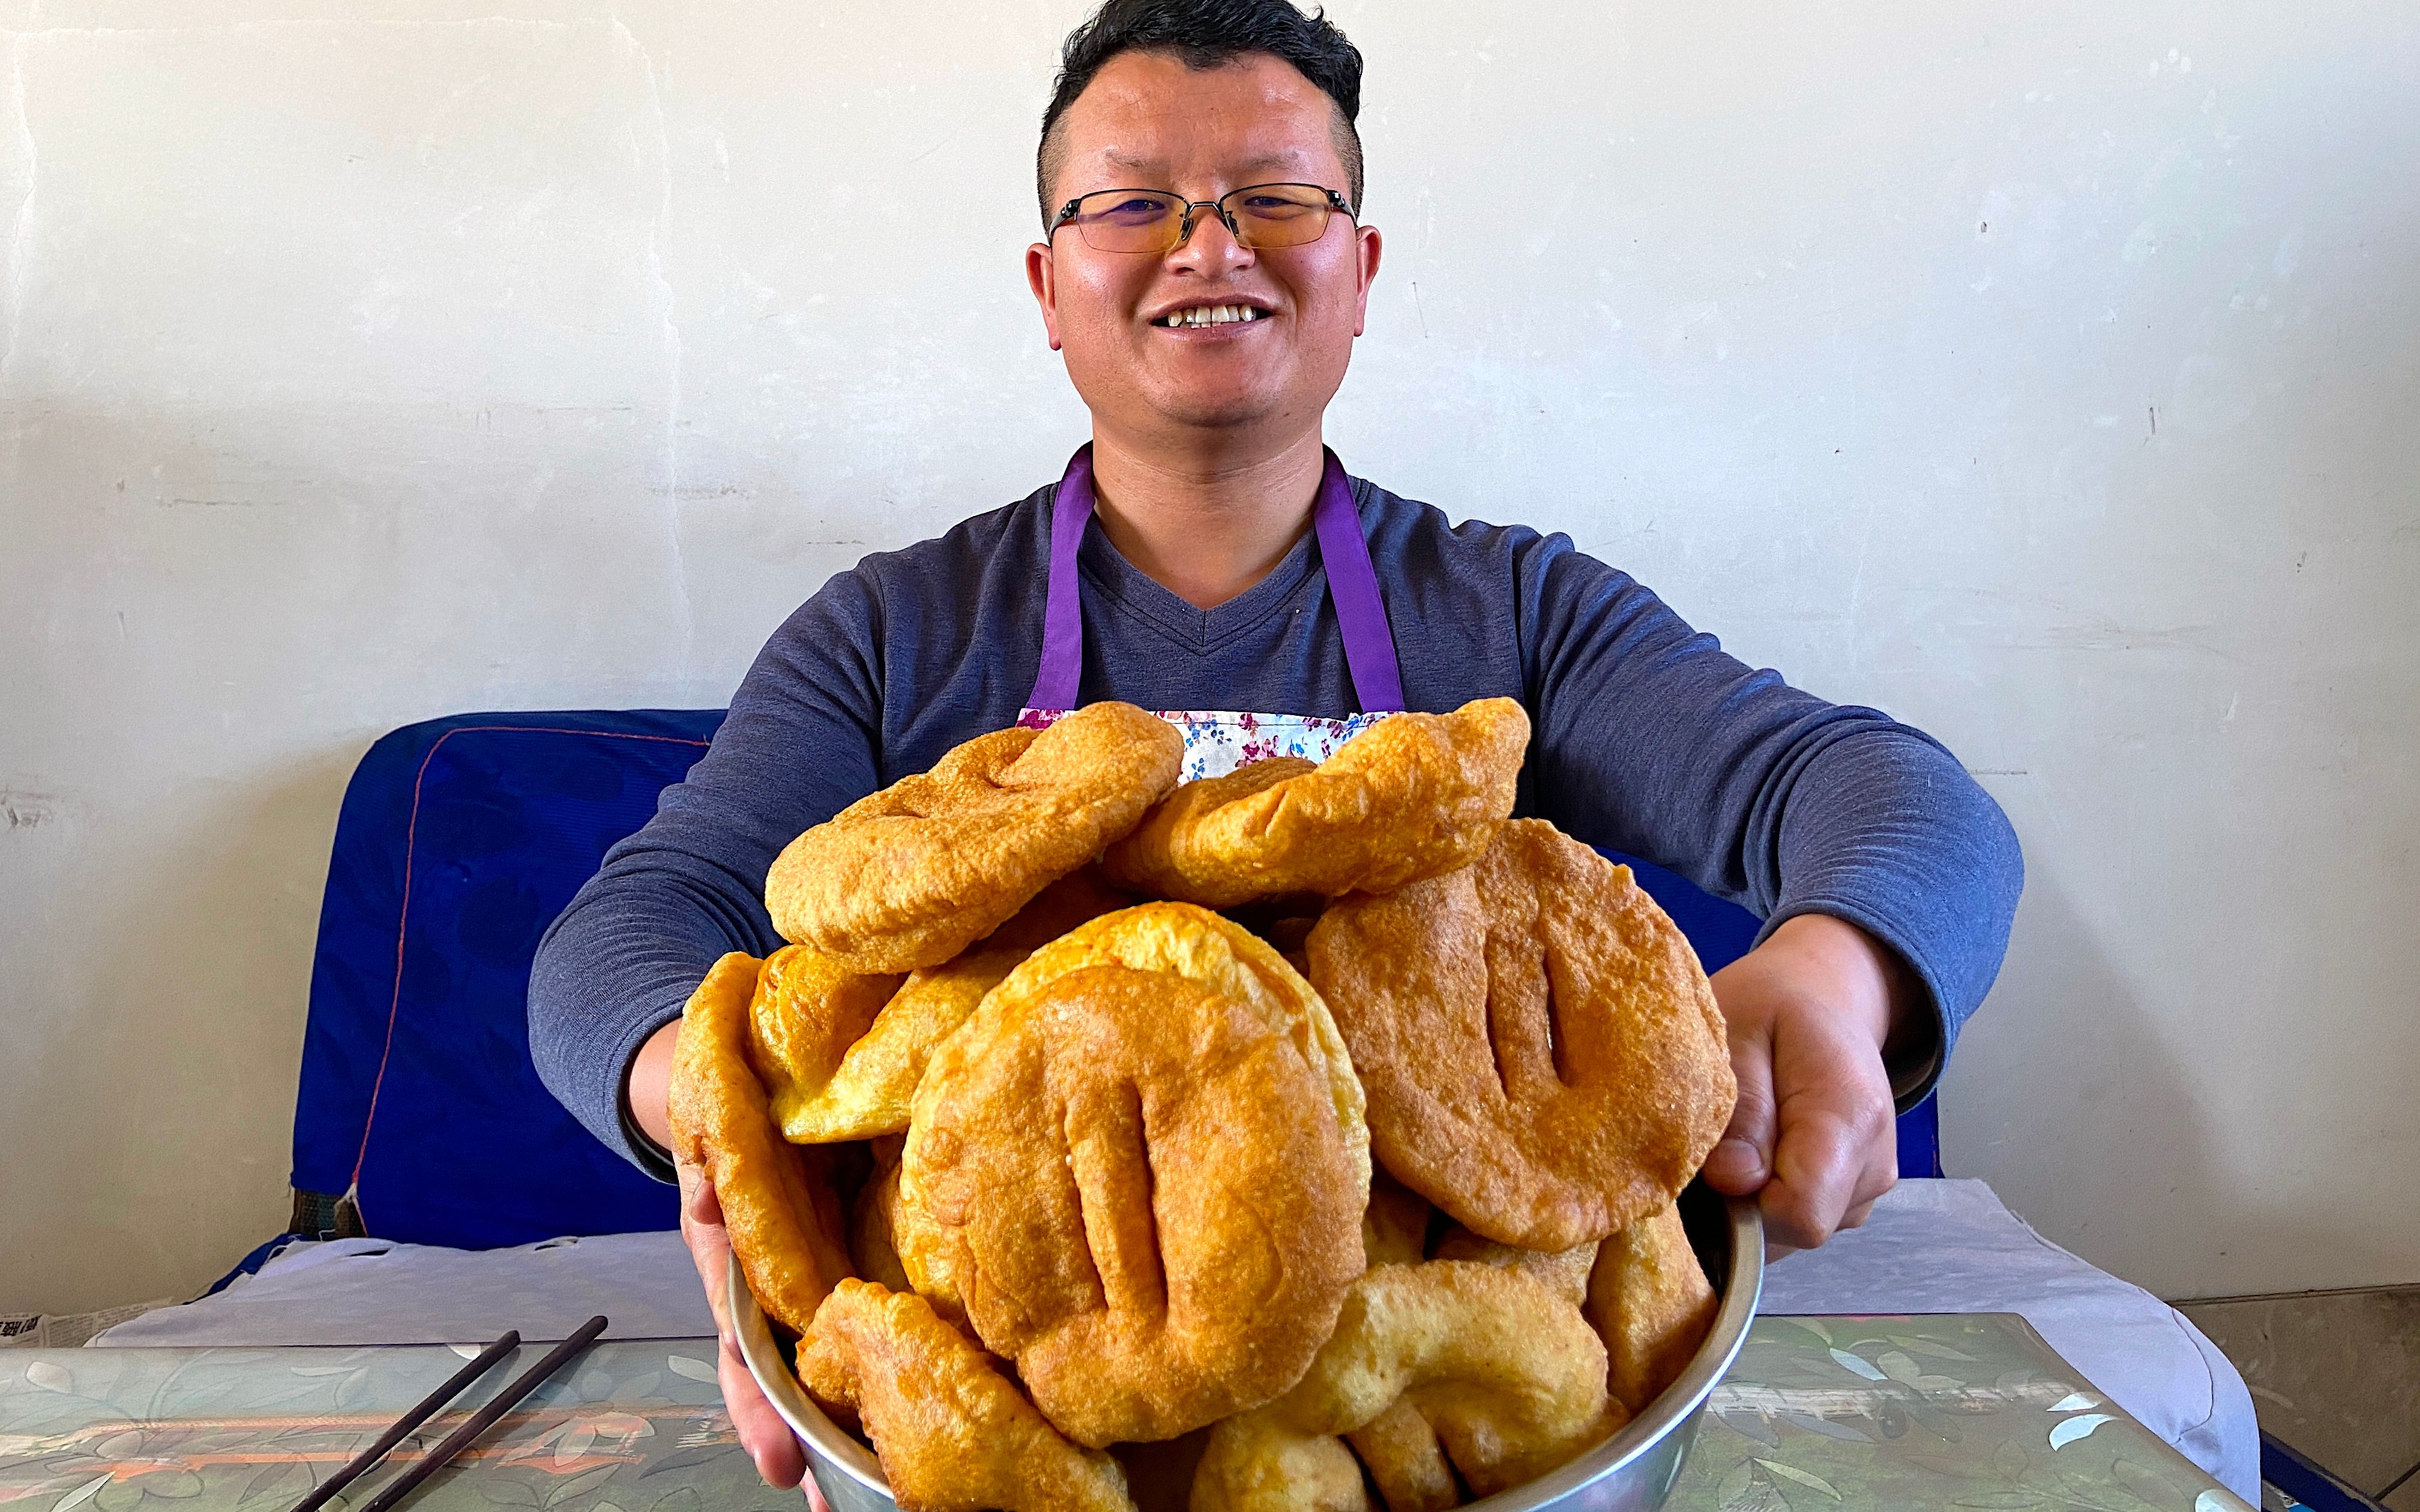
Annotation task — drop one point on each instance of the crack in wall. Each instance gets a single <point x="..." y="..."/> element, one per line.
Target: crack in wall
<point x="673" y="348"/>
<point x="21" y="225"/>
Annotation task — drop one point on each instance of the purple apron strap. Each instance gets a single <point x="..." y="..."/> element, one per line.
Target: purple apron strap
<point x="1352" y="586"/>
<point x="1063" y="612"/>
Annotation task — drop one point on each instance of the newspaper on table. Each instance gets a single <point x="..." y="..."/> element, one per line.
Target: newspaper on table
<point x="65" y="1331"/>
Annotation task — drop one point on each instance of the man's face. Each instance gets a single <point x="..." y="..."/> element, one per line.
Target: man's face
<point x="1147" y="121"/>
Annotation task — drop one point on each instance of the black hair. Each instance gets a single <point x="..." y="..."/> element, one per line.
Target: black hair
<point x="1204" y="34"/>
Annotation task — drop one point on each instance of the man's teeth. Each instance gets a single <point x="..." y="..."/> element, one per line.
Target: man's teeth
<point x="1210" y="314"/>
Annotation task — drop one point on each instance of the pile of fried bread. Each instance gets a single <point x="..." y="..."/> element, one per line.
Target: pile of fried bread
<point x="1305" y="1137"/>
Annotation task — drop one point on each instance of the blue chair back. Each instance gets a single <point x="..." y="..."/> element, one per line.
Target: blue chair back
<point x="460" y="840"/>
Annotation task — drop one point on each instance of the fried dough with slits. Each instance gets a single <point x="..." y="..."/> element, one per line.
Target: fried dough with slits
<point x="1508" y="1374"/>
<point x="1651" y="1304"/>
<point x="1145" y="1163"/>
<point x="913" y="874"/>
<point x="952" y="1431"/>
<point x="778" y="1202"/>
<point x="841" y="1051"/>
<point x="1122" y="1187"/>
<point x="1541" y="1052"/>
<point x="1411" y="796"/>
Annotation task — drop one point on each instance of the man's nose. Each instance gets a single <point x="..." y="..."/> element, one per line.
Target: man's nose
<point x="1211" y="248"/>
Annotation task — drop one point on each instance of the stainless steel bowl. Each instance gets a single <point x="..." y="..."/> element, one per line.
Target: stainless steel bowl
<point x="1631" y="1472"/>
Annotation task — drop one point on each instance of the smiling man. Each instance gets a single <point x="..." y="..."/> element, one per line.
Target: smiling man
<point x="1205" y="272"/>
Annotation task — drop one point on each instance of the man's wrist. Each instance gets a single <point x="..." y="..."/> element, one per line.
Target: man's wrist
<point x="1869" y="979"/>
<point x="1910" y="1029"/>
<point x="647" y="1090"/>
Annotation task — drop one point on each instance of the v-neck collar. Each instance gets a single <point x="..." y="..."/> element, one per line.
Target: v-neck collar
<point x="1198" y="629"/>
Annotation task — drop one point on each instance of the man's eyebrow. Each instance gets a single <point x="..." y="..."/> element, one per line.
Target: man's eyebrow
<point x="1127" y="162"/>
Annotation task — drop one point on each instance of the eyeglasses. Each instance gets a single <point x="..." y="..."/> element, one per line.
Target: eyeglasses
<point x="1158" y="221"/>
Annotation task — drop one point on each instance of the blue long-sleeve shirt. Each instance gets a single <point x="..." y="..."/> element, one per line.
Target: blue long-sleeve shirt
<point x="1648" y="738"/>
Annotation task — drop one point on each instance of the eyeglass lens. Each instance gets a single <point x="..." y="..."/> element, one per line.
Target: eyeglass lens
<point x="1144" y="219"/>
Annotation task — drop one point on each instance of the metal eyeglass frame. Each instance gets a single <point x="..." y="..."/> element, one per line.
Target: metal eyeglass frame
<point x="1217" y="206"/>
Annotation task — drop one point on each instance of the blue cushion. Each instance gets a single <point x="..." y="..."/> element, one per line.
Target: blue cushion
<point x="458" y="842"/>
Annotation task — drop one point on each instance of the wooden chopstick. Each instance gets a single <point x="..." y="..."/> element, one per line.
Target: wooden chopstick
<point x="485" y="1418"/>
<point x="420" y="1412"/>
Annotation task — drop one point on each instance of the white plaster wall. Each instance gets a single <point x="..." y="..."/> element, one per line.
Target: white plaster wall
<point x="2043" y="373"/>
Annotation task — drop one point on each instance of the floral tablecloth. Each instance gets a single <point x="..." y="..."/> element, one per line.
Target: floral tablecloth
<point x="1967" y="1410"/>
<point x="1821" y="1414"/>
<point x="632" y="1426"/>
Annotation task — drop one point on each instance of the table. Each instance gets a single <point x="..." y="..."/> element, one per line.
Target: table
<point x="1821" y="1414"/>
<point x="634" y="1426"/>
<point x="1963" y="1410"/>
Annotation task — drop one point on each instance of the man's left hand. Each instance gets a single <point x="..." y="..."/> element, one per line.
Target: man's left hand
<point x="1813" y="1138"/>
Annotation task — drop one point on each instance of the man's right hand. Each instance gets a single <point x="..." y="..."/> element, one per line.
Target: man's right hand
<point x="768" y="1440"/>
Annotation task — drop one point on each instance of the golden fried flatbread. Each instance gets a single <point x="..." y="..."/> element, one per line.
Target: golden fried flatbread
<point x="1144" y="1159"/>
<point x="1412" y="795"/>
<point x="1078" y="898"/>
<point x="808" y="1013"/>
<point x="1273" y="1470"/>
<point x="1564" y="1271"/>
<point x="952" y="1431"/>
<point x="1508" y="1374"/>
<point x="778" y="1202"/>
<point x="841" y="1051"/>
<point x="1405" y="1461"/>
<point x="1398" y="1447"/>
<point x="913" y="874"/>
<point x="1542" y="1053"/>
<point x="930" y="1254"/>
<point x="1651" y="1304"/>
<point x="1181" y="941"/>
<point x="1129" y="1146"/>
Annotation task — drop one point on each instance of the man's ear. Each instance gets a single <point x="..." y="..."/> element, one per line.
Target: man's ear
<point x="1367" y="245"/>
<point x="1042" y="275"/>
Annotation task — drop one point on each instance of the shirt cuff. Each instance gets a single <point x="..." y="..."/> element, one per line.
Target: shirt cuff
<point x="1914" y="1067"/>
<point x="645" y="1153"/>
